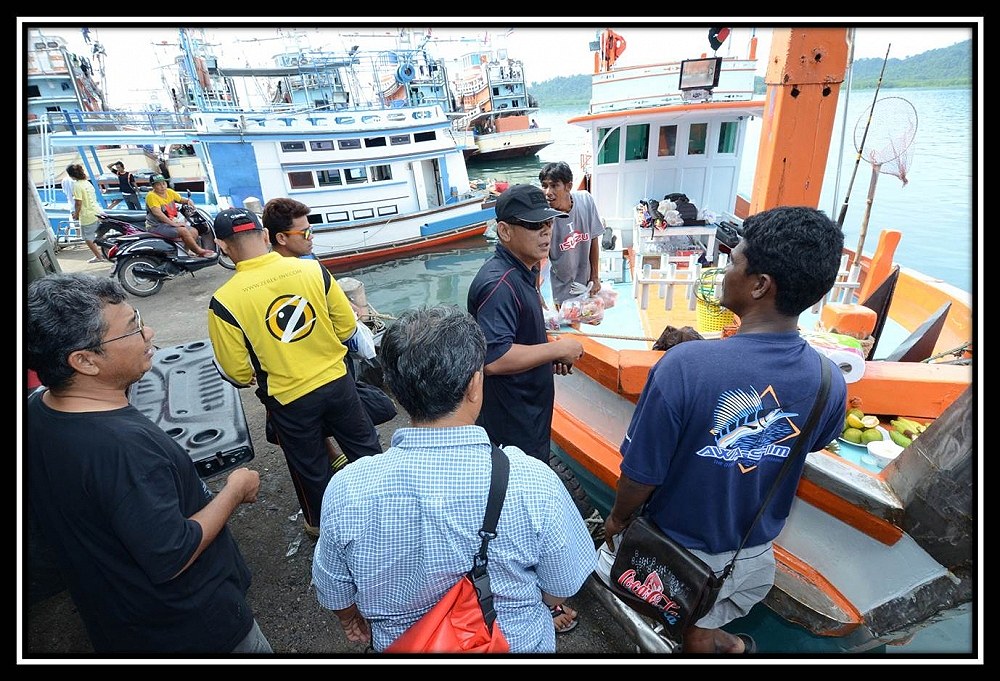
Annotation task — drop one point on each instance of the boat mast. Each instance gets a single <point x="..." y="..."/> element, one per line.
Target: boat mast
<point x="805" y="71"/>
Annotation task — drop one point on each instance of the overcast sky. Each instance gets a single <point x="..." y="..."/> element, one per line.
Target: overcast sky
<point x="548" y="48"/>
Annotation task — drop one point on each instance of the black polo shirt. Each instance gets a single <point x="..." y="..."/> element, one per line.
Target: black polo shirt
<point x="517" y="408"/>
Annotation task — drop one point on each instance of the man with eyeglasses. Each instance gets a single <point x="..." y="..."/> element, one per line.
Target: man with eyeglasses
<point x="519" y="390"/>
<point x="140" y="540"/>
<point x="283" y="324"/>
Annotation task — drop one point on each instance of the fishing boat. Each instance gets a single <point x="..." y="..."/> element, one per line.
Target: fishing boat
<point x="494" y="111"/>
<point x="62" y="86"/>
<point x="382" y="177"/>
<point x="871" y="552"/>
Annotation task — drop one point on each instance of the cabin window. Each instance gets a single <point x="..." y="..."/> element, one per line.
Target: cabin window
<point x="637" y="142"/>
<point x="667" y="145"/>
<point x="66" y="87"/>
<point x="399" y="139"/>
<point x="608" y="140"/>
<point x="293" y="146"/>
<point x="349" y="144"/>
<point x="356" y="175"/>
<point x="321" y="145"/>
<point x="381" y="173"/>
<point x="33" y="91"/>
<point x="727" y="137"/>
<point x="339" y="216"/>
<point x="301" y="180"/>
<point x="387" y="210"/>
<point x="314" y="219"/>
<point x="329" y="178"/>
<point x="696" y="138"/>
<point x="364" y="214"/>
<point x="374" y="141"/>
<point x="428" y="136"/>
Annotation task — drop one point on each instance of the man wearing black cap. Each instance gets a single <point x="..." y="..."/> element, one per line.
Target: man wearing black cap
<point x="518" y="391"/>
<point x="283" y="323"/>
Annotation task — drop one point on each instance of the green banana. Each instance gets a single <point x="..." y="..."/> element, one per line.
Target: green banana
<point x="900" y="439"/>
<point x="911" y="424"/>
<point x="906" y="429"/>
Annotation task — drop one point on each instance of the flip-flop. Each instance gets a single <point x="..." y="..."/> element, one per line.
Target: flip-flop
<point x="749" y="645"/>
<point x="556" y="612"/>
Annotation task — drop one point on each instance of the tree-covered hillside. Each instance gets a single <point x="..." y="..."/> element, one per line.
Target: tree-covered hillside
<point x="943" y="67"/>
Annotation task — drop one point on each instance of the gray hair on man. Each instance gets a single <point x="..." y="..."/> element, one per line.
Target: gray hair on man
<point x="65" y="312"/>
<point x="429" y="355"/>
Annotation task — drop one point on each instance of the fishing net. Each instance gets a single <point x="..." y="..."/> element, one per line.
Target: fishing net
<point x="884" y="136"/>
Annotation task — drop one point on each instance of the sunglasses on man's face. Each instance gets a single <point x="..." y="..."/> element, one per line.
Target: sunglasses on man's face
<point x="533" y="226"/>
<point x="304" y="233"/>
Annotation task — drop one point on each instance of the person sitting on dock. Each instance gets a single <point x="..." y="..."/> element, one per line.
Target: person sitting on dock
<point x="399" y="529"/>
<point x="575" y="249"/>
<point x="716" y="418"/>
<point x="163" y="218"/>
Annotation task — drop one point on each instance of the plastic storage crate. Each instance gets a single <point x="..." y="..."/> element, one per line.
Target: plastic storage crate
<point x="184" y="395"/>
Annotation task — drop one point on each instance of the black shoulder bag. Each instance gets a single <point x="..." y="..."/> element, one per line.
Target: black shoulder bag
<point x="659" y="578"/>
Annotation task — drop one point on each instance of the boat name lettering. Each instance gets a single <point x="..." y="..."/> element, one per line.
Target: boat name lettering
<point x="734" y="454"/>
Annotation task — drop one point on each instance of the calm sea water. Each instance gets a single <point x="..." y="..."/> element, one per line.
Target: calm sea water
<point x="934" y="210"/>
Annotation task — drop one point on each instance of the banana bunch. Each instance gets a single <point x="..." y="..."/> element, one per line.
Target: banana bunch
<point x="905" y="431"/>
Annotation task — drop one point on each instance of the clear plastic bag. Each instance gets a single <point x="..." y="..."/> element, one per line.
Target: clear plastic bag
<point x="582" y="310"/>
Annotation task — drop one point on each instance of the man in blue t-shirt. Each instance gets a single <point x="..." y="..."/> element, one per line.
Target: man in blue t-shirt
<point x="717" y="418"/>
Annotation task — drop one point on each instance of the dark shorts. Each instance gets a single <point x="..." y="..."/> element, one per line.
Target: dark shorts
<point x="163" y="229"/>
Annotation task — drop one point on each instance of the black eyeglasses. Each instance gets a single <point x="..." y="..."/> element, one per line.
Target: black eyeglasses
<point x="533" y="226"/>
<point x="139" y="328"/>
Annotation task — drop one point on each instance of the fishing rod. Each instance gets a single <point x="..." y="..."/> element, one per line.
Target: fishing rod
<point x="857" y="161"/>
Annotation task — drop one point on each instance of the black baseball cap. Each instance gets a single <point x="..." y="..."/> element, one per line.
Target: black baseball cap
<point x="525" y="203"/>
<point x="234" y="220"/>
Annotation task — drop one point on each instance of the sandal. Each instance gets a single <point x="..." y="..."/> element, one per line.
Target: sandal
<point x="749" y="645"/>
<point x="559" y="611"/>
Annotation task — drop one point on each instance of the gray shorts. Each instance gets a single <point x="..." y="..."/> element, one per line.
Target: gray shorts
<point x="89" y="232"/>
<point x="163" y="229"/>
<point x="752" y="578"/>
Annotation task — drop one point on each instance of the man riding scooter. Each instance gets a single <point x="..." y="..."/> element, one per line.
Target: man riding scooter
<point x="164" y="218"/>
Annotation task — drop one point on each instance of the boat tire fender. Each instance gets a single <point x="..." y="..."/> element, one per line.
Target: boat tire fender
<point x="404" y="74"/>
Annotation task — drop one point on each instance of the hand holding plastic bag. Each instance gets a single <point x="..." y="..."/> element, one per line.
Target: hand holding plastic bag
<point x="362" y="343"/>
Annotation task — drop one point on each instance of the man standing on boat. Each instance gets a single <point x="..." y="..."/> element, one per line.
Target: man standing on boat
<point x="575" y="250"/>
<point x="717" y="418"/>
<point x="284" y="325"/>
<point x="518" y="390"/>
<point x="127" y="185"/>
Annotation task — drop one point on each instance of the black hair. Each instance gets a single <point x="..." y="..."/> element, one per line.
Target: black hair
<point x="428" y="356"/>
<point x="800" y="247"/>
<point x="279" y="213"/>
<point x="65" y="313"/>
<point x="558" y="171"/>
<point x="76" y="171"/>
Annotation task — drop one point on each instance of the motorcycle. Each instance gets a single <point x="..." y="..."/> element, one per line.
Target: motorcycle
<point x="144" y="260"/>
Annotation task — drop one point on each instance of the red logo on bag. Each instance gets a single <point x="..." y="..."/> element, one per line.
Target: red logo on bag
<point x="650" y="591"/>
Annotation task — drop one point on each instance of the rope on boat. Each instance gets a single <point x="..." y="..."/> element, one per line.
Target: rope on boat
<point x="957" y="352"/>
<point x="380" y="315"/>
<point x="604" y="335"/>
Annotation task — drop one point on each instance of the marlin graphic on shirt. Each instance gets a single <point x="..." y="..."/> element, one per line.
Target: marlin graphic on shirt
<point x="747" y="428"/>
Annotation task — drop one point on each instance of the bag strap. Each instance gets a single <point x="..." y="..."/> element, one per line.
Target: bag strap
<point x="478" y="575"/>
<point x="817" y="408"/>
